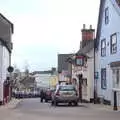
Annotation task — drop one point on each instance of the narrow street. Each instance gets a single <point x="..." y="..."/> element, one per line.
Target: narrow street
<point x="32" y="109"/>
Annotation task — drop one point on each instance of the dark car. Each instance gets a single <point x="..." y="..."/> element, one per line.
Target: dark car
<point x="48" y="94"/>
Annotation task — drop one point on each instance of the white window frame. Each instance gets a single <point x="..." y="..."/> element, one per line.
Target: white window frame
<point x="106" y="15"/>
<point x="113" y="43"/>
<point x="103" y="47"/>
<point x="103" y="78"/>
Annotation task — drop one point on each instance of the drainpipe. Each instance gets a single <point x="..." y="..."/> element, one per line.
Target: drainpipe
<point x="95" y="82"/>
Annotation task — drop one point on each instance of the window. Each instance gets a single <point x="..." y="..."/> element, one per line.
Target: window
<point x="80" y="61"/>
<point x="118" y="2"/>
<point x="103" y="47"/>
<point x="117" y="77"/>
<point x="106" y="15"/>
<point x="113" y="47"/>
<point x="103" y="78"/>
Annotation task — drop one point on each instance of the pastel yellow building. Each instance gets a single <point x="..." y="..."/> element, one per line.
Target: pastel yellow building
<point x="53" y="80"/>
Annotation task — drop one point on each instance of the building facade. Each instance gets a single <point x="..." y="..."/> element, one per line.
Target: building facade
<point x="6" y="31"/>
<point x="107" y="52"/>
<point x="84" y="65"/>
<point x="64" y="68"/>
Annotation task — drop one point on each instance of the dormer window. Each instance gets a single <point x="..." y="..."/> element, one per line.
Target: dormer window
<point x="106" y="15"/>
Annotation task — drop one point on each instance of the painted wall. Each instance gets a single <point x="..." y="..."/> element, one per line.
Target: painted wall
<point x="1" y="85"/>
<point x="87" y="73"/>
<point x="4" y="63"/>
<point x="103" y="62"/>
<point x="43" y="80"/>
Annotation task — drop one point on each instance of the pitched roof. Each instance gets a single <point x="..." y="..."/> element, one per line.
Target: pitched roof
<point x="102" y="2"/>
<point x="87" y="47"/>
<point x="11" y="24"/>
<point x="8" y="45"/>
<point x="62" y="62"/>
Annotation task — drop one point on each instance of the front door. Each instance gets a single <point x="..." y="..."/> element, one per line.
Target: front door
<point x="116" y="82"/>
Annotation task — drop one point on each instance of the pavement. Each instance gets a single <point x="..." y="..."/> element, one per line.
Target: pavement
<point x="15" y="102"/>
<point x="102" y="107"/>
<point x="11" y="105"/>
<point x="30" y="109"/>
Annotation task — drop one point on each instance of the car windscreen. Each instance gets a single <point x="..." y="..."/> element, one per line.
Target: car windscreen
<point x="67" y="88"/>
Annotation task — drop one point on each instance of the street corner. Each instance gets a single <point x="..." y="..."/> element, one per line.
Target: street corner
<point x="11" y="105"/>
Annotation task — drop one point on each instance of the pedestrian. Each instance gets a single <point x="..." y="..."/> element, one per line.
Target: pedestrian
<point x="42" y="95"/>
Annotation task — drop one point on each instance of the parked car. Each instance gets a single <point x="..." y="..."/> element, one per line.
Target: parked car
<point x="65" y="94"/>
<point x="48" y="94"/>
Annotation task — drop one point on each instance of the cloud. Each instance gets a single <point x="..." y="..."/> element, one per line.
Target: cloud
<point x="44" y="28"/>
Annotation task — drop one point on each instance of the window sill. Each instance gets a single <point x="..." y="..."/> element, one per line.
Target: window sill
<point x="104" y="88"/>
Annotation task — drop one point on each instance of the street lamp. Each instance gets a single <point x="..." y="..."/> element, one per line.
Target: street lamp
<point x="10" y="69"/>
<point x="80" y="76"/>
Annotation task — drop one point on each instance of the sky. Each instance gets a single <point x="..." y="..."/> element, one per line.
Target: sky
<point x="45" y="28"/>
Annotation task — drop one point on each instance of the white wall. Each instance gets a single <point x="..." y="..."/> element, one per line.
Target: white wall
<point x="1" y="85"/>
<point x="4" y="63"/>
<point x="87" y="73"/>
<point x="43" y="80"/>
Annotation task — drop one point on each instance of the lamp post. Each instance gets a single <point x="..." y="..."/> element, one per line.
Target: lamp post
<point x="10" y="69"/>
<point x="115" y="107"/>
<point x="80" y="76"/>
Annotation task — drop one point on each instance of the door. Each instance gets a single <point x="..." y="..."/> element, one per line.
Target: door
<point x="116" y="82"/>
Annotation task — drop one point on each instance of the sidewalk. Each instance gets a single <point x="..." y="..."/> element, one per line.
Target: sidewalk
<point x="100" y="106"/>
<point x="11" y="105"/>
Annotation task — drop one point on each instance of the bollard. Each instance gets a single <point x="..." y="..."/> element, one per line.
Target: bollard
<point x="115" y="108"/>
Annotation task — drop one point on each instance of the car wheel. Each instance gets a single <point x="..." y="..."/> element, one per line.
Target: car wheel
<point x="46" y="100"/>
<point x="76" y="103"/>
<point x="41" y="100"/>
<point x="69" y="103"/>
<point x="52" y="103"/>
<point x="55" y="103"/>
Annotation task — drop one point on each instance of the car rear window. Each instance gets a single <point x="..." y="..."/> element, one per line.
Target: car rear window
<point x="67" y="88"/>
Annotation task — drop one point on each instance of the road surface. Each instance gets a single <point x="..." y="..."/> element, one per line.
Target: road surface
<point x="32" y="109"/>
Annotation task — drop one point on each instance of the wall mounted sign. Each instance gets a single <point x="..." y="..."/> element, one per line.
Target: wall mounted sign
<point x="96" y="75"/>
<point x="79" y="60"/>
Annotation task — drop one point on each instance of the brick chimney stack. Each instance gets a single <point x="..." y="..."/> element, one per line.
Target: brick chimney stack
<point x="87" y="34"/>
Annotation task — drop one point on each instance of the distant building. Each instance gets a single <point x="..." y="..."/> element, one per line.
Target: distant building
<point x="64" y="68"/>
<point x="6" y="31"/>
<point x="44" y="78"/>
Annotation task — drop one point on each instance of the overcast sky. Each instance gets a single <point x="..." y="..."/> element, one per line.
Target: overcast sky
<point x="45" y="28"/>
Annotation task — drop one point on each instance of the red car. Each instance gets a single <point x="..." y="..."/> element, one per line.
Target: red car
<point x="48" y="94"/>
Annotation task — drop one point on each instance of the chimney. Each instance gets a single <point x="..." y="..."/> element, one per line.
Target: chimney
<point x="83" y="26"/>
<point x="87" y="34"/>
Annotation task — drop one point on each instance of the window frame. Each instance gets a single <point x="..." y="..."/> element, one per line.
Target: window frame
<point x="103" y="49"/>
<point x="106" y="15"/>
<point x="113" y="45"/>
<point x="103" y="78"/>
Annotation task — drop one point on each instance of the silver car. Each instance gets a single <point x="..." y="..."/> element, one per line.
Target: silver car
<point x="65" y="94"/>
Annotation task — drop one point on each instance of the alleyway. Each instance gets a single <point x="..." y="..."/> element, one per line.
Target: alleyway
<point x="32" y="109"/>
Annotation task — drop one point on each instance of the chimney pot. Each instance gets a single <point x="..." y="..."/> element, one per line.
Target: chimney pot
<point x="90" y="26"/>
<point x="83" y="26"/>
